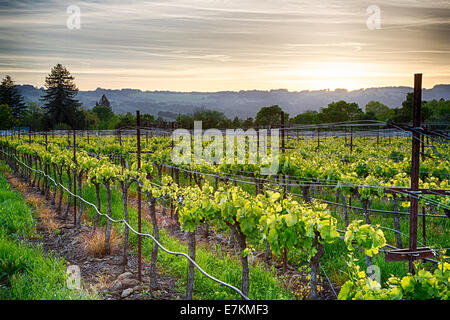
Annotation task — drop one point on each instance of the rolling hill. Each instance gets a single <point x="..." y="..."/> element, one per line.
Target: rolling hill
<point x="238" y="103"/>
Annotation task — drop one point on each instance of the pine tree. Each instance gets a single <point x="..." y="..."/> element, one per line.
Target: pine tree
<point x="59" y="102"/>
<point x="10" y="96"/>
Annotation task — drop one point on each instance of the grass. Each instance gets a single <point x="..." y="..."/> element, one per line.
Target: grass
<point x="94" y="242"/>
<point x="27" y="273"/>
<point x="48" y="219"/>
<point x="263" y="283"/>
<point x="16" y="219"/>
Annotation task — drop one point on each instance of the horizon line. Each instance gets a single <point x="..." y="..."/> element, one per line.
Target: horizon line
<point x="247" y="90"/>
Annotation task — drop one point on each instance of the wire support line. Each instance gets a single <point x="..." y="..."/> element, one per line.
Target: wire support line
<point x="429" y="136"/>
<point x="137" y="233"/>
<point x="428" y="145"/>
<point x="316" y="181"/>
<point x="359" y="208"/>
<point x="239" y="178"/>
<point x="393" y="248"/>
<point x="329" y="282"/>
<point x="179" y="253"/>
<point x="376" y="210"/>
<point x="423" y="198"/>
<point x="278" y="183"/>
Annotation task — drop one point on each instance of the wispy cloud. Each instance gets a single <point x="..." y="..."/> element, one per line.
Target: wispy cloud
<point x="226" y="44"/>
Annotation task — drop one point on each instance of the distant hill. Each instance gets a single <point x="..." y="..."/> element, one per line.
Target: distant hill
<point x="238" y="103"/>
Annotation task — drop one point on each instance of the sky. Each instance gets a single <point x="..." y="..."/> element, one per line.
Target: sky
<point x="218" y="45"/>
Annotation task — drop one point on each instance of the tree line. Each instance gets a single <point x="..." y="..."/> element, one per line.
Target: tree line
<point x="61" y="111"/>
<point x="432" y="111"/>
<point x="340" y="111"/>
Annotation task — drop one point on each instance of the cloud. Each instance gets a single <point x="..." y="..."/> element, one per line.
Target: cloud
<point x="250" y="41"/>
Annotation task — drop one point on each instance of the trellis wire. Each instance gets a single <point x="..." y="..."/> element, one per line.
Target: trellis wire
<point x="136" y="232"/>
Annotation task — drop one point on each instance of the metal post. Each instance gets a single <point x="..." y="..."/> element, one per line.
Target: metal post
<point x="318" y="138"/>
<point x="257" y="145"/>
<point x="351" y="139"/>
<point x="282" y="132"/>
<point x="423" y="146"/>
<point x="74" y="180"/>
<point x="45" y="166"/>
<point x="138" y="137"/>
<point x="415" y="159"/>
<point x="424" y="227"/>
<point x="172" y="169"/>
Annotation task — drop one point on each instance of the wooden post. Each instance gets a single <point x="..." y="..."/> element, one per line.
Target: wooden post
<point x="423" y="146"/>
<point x="172" y="172"/>
<point x="44" y="189"/>
<point x="257" y="146"/>
<point x="318" y="138"/>
<point x="282" y="132"/>
<point x="74" y="180"/>
<point x="351" y="139"/>
<point x="424" y="227"/>
<point x="415" y="159"/>
<point x="138" y="137"/>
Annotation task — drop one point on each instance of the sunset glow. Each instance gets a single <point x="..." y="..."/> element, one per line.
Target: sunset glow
<point x="227" y="45"/>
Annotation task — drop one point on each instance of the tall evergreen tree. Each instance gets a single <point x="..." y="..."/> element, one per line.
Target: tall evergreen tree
<point x="59" y="99"/>
<point x="10" y="96"/>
